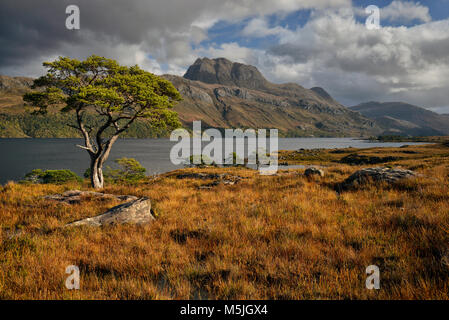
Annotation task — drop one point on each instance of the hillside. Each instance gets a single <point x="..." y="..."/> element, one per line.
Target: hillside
<point x="221" y="94"/>
<point x="398" y="118"/>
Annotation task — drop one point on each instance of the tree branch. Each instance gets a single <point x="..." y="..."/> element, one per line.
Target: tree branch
<point x="100" y="131"/>
<point x="87" y="143"/>
<point x="83" y="147"/>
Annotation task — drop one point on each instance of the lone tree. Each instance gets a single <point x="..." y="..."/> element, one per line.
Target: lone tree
<point x="116" y="95"/>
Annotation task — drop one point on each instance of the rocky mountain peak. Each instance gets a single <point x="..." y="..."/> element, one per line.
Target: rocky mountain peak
<point x="225" y="72"/>
<point x="322" y="93"/>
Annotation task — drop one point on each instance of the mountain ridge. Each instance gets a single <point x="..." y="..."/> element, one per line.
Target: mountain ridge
<point x="400" y="118"/>
<point x="231" y="94"/>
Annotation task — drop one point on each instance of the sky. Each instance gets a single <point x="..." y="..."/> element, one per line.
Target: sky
<point x="311" y="42"/>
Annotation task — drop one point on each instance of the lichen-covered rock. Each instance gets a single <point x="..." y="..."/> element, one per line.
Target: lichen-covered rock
<point x="310" y="172"/>
<point x="378" y="174"/>
<point x="133" y="212"/>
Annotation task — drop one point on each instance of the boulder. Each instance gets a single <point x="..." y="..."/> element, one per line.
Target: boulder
<point x="378" y="174"/>
<point x="133" y="212"/>
<point x="310" y="172"/>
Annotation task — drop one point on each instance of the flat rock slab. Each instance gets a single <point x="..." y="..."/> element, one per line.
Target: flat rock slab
<point x="76" y="196"/>
<point x="379" y="174"/>
<point x="133" y="212"/>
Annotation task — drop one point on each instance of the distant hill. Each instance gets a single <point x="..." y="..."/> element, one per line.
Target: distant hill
<point x="223" y="94"/>
<point x="398" y="118"/>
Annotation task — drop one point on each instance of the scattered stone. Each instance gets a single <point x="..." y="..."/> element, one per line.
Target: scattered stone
<point x="312" y="171"/>
<point x="133" y="212"/>
<point x="222" y="178"/>
<point x="76" y="196"/>
<point x="378" y="174"/>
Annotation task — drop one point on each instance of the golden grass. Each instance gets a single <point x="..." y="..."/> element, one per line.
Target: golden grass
<point x="267" y="237"/>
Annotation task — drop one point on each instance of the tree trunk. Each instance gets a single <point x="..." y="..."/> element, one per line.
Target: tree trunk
<point x="96" y="174"/>
<point x="97" y="161"/>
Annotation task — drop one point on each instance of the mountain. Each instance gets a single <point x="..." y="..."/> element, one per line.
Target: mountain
<point x="225" y="94"/>
<point x="225" y="72"/>
<point x="398" y="118"/>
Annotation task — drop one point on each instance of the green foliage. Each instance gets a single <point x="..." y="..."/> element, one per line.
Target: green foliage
<point x="35" y="176"/>
<point x="129" y="171"/>
<point x="51" y="176"/>
<point x="118" y="94"/>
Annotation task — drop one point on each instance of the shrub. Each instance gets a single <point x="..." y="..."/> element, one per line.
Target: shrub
<point x="130" y="170"/>
<point x="51" y="176"/>
<point x="35" y="176"/>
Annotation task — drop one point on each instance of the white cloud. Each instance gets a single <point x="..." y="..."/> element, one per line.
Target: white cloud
<point x="258" y="27"/>
<point x="405" y="11"/>
<point x="231" y="51"/>
<point x="335" y="51"/>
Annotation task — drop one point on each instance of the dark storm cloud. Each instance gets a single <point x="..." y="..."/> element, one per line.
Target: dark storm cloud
<point x="32" y="29"/>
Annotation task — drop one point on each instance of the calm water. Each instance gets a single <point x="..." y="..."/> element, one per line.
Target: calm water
<point x="19" y="156"/>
